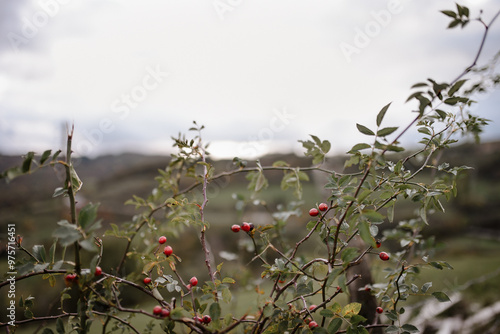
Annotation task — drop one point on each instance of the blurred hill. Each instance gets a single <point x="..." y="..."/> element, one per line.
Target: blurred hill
<point x="111" y="180"/>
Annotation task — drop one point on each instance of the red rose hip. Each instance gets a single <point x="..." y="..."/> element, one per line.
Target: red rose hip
<point x="168" y="251"/>
<point x="235" y="228"/>
<point x="162" y="240"/>
<point x="313" y="212"/>
<point x="323" y="207"/>
<point x="206" y="319"/>
<point x="193" y="281"/>
<point x="379" y="310"/>
<point x="157" y="310"/>
<point x="313" y="324"/>
<point x="98" y="271"/>
<point x="383" y="256"/>
<point x="164" y="312"/>
<point x="246" y="227"/>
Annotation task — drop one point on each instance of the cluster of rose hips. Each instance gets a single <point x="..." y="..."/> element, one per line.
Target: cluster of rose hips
<point x="204" y="319"/>
<point x="160" y="311"/>
<point x="247" y="227"/>
<point x="69" y="279"/>
<point x="168" y="249"/>
<point x="311" y="323"/>
<point x="314" y="212"/>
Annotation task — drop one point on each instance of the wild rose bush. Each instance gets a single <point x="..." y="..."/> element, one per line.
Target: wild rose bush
<point x="303" y="291"/>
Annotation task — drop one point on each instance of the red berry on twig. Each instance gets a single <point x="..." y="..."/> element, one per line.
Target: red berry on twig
<point x="313" y="212"/>
<point x="193" y="281"/>
<point x="323" y="207"/>
<point x="157" y="310"/>
<point x="383" y="256"/>
<point x="168" y="251"/>
<point x="235" y="228"/>
<point x="162" y="240"/>
<point x="246" y="227"/>
<point x="147" y="280"/>
<point x="379" y="310"/>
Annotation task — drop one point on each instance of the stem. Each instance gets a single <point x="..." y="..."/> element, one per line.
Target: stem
<point x="337" y="231"/>
<point x="202" y="218"/>
<point x="72" y="202"/>
<point x="397" y="287"/>
<point x="71" y="194"/>
<point x="51" y="317"/>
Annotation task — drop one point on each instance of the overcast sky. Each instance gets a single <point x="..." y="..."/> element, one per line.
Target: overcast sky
<point x="130" y="74"/>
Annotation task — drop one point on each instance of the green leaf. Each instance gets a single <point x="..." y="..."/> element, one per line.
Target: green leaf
<point x="334" y="325"/>
<point x="386" y="131"/>
<point x="456" y="86"/>
<point x="60" y="326"/>
<point x="420" y="84"/>
<point x="392" y="329"/>
<point x="29" y="315"/>
<point x="333" y="275"/>
<point x="39" y="253"/>
<point x="364" y="130"/>
<point x="381" y="114"/>
<point x="214" y="311"/>
<point x="327" y="313"/>
<point x="449" y="13"/>
<point x="426" y="287"/>
<point x="349" y="254"/>
<point x="410" y="328"/>
<point x="351" y="309"/>
<point x="392" y="315"/>
<point x="316" y="140"/>
<point x="75" y="180"/>
<point x="45" y="156"/>
<point x="359" y="147"/>
<point x="364" y="232"/>
<point x="452" y="100"/>
<point x="373" y="216"/>
<point x="59" y="191"/>
<point x="436" y="265"/>
<point x="27" y="162"/>
<point x="228" y="280"/>
<point x="454" y="23"/>
<point x="441" y="296"/>
<point x="87" y="216"/>
<point x="66" y="233"/>
<point x="325" y="146"/>
<point x="425" y="131"/>
<point x="442" y="114"/>
<point x="52" y="252"/>
<point x="261" y="182"/>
